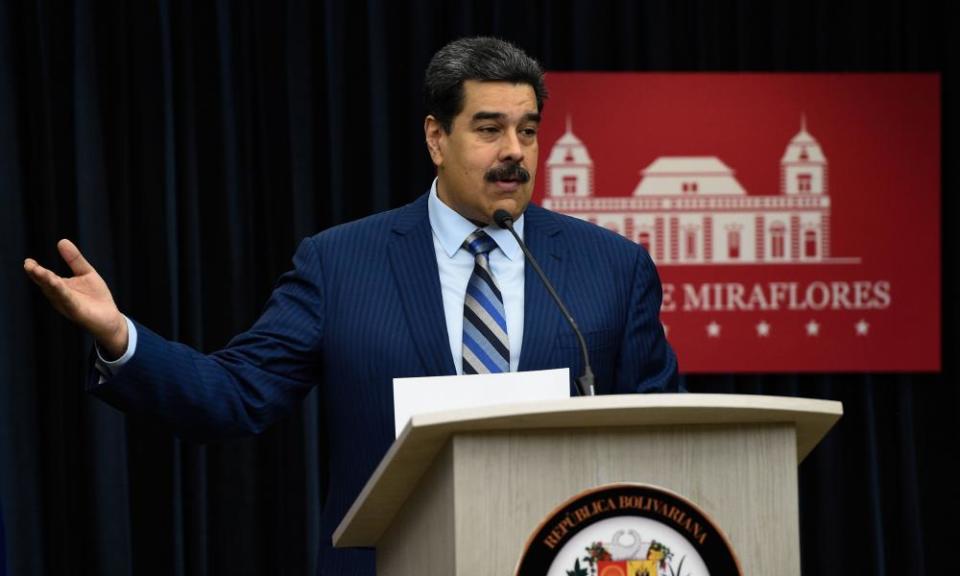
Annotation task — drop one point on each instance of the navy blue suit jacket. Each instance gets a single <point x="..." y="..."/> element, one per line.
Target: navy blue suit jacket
<point x="363" y="306"/>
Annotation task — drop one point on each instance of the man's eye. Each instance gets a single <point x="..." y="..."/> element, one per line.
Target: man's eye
<point x="488" y="129"/>
<point x="529" y="132"/>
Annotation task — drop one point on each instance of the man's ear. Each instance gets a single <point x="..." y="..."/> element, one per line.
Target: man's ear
<point x="435" y="135"/>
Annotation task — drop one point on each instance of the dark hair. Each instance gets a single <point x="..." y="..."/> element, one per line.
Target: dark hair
<point x="484" y="59"/>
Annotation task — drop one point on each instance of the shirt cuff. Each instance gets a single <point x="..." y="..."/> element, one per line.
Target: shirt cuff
<point x="108" y="368"/>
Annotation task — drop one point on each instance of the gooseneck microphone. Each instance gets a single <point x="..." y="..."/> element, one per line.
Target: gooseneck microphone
<point x="585" y="381"/>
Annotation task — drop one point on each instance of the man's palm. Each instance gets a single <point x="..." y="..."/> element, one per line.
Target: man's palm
<point x="83" y="298"/>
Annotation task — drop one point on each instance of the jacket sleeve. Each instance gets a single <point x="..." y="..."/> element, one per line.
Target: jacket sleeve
<point x="646" y="361"/>
<point x="261" y="375"/>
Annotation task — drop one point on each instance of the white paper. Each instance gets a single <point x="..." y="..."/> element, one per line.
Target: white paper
<point x="440" y="393"/>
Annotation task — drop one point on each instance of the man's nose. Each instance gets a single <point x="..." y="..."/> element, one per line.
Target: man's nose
<point x="511" y="148"/>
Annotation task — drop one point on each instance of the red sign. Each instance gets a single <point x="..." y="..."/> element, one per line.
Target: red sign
<point x="794" y="218"/>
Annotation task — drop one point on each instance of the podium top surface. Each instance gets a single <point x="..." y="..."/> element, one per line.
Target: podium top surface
<point x="425" y="435"/>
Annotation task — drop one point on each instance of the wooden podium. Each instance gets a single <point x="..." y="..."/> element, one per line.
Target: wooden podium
<point x="460" y="492"/>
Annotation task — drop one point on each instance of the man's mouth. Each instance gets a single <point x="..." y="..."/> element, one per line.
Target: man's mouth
<point x="508" y="185"/>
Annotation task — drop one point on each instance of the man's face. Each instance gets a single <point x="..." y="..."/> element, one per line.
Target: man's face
<point x="488" y="161"/>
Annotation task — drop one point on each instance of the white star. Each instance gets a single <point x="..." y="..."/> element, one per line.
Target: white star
<point x="862" y="327"/>
<point x="713" y="329"/>
<point x="763" y="329"/>
<point x="813" y="329"/>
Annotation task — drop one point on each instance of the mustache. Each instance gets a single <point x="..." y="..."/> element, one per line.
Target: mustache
<point x="505" y="172"/>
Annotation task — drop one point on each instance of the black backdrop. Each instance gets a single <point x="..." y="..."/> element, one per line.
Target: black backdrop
<point x="188" y="146"/>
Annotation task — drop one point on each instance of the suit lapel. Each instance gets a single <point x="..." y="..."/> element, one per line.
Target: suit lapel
<point x="413" y="261"/>
<point x="541" y="317"/>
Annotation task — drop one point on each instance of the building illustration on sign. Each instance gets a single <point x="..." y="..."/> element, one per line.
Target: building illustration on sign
<point x="691" y="210"/>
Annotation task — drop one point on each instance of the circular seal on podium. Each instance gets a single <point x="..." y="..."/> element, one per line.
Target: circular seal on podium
<point x="628" y="530"/>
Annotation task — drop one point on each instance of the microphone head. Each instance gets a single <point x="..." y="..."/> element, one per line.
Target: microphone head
<point x="502" y="218"/>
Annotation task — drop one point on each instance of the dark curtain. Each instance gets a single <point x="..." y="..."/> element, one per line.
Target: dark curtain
<point x="188" y="145"/>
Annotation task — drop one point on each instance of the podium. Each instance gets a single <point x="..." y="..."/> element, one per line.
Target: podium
<point x="460" y="492"/>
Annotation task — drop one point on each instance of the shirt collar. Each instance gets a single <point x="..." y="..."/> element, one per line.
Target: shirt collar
<point x="451" y="229"/>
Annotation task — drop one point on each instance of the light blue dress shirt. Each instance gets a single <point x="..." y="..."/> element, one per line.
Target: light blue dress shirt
<point x="455" y="264"/>
<point x="108" y="368"/>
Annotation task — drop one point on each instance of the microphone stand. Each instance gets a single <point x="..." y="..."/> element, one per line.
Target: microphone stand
<point x="503" y="219"/>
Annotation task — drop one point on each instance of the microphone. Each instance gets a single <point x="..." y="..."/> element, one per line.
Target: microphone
<point x="503" y="219"/>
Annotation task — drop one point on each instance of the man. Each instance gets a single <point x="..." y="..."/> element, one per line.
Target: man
<point x="402" y="294"/>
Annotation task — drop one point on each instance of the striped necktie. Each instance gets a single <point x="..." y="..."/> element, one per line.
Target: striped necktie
<point x="485" y="345"/>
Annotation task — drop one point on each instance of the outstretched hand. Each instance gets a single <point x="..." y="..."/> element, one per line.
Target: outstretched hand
<point x="83" y="298"/>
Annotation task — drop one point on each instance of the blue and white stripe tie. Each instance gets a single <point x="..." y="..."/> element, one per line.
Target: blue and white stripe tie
<point x="485" y="345"/>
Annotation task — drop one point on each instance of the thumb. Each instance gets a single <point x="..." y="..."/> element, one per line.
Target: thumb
<point x="74" y="259"/>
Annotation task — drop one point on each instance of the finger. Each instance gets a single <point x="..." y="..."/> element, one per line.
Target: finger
<point x="46" y="278"/>
<point x="72" y="256"/>
<point x="35" y="271"/>
<point x="29" y="264"/>
<point x="52" y="286"/>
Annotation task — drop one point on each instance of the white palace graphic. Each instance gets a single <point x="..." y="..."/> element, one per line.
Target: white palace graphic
<point x="690" y="210"/>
